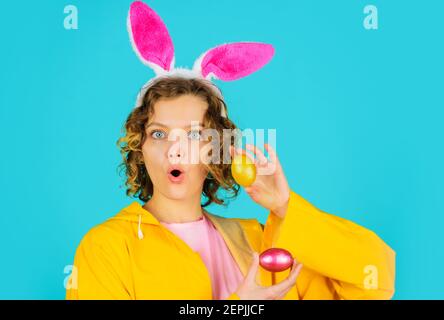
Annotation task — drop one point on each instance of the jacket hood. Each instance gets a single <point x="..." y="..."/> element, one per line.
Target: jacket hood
<point x="136" y="213"/>
<point x="230" y="229"/>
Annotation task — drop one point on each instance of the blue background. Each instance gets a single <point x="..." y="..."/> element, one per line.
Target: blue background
<point x="358" y="115"/>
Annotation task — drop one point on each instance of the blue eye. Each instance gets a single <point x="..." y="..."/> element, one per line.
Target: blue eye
<point x="156" y="134"/>
<point x="195" y="135"/>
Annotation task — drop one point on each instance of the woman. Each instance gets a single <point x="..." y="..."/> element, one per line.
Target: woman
<point x="171" y="247"/>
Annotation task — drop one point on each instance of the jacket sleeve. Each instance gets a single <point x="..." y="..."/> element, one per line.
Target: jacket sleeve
<point x="100" y="270"/>
<point x="344" y="252"/>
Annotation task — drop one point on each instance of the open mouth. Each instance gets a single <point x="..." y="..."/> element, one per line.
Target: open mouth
<point x="176" y="172"/>
<point x="176" y="175"/>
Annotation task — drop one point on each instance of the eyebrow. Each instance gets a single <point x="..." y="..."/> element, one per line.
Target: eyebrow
<point x="165" y="126"/>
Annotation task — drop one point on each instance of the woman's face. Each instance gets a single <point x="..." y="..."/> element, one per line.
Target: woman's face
<point x="173" y="140"/>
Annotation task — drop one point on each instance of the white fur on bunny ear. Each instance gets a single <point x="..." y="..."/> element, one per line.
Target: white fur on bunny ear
<point x="150" y="38"/>
<point x="233" y="61"/>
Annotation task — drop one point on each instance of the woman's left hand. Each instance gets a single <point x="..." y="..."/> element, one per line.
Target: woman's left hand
<point x="270" y="189"/>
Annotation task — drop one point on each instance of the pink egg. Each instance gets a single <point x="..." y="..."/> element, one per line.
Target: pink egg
<point x="275" y="259"/>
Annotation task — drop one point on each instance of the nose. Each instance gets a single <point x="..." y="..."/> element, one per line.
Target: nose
<point x="176" y="152"/>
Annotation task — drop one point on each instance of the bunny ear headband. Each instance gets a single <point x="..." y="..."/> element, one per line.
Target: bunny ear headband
<point x="153" y="45"/>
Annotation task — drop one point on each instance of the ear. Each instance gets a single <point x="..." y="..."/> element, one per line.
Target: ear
<point x="150" y="38"/>
<point x="234" y="60"/>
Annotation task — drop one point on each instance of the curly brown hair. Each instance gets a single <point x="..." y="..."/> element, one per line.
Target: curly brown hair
<point x="138" y="182"/>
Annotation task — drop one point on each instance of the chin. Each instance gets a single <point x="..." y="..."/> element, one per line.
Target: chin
<point x="177" y="192"/>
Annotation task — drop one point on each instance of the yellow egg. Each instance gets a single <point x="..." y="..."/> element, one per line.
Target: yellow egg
<point x="243" y="170"/>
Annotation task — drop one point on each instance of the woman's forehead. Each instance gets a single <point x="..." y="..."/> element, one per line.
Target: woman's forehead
<point x="179" y="112"/>
<point x="184" y="125"/>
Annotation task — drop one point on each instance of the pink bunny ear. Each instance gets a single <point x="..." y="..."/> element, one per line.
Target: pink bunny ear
<point x="234" y="60"/>
<point x="149" y="37"/>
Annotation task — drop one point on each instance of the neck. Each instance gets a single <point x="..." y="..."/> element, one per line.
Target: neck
<point x="174" y="211"/>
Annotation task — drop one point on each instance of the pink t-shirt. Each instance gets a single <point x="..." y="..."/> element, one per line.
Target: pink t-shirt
<point x="203" y="238"/>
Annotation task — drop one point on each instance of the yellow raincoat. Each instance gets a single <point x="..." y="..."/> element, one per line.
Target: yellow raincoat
<point x="132" y="256"/>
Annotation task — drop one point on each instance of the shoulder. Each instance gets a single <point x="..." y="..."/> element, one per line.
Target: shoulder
<point x="110" y="236"/>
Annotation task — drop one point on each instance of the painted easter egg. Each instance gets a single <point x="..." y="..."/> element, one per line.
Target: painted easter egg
<point x="275" y="259"/>
<point x="243" y="170"/>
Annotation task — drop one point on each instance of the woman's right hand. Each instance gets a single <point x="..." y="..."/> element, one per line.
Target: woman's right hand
<point x="250" y="290"/>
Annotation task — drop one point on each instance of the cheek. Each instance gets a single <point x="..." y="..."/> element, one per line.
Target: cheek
<point x="152" y="156"/>
<point x="197" y="172"/>
<point x="197" y="175"/>
<point x="203" y="153"/>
